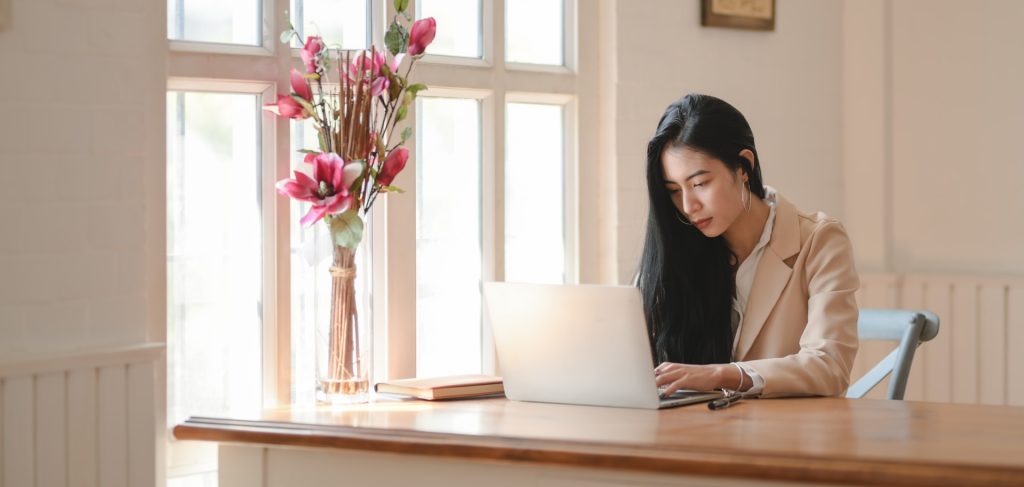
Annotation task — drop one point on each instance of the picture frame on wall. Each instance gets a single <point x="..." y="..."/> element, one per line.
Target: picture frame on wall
<point x="738" y="14"/>
<point x="5" y="14"/>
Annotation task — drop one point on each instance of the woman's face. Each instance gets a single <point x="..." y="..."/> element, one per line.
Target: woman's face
<point x="703" y="189"/>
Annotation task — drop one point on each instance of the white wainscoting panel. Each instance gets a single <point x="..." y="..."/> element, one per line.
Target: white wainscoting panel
<point x="82" y="455"/>
<point x="19" y="438"/>
<point x="112" y="426"/>
<point x="51" y="431"/>
<point x="978" y="355"/>
<point x="83" y="420"/>
<point x="143" y="424"/>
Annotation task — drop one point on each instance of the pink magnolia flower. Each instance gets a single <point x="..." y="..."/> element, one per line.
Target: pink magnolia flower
<point x="310" y="52"/>
<point x="328" y="189"/>
<point x="286" y="106"/>
<point x="300" y="86"/>
<point x="290" y="106"/>
<point x="421" y="35"/>
<point x="372" y="69"/>
<point x="393" y="165"/>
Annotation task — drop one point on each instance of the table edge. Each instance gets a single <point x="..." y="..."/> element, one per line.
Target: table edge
<point x="735" y="464"/>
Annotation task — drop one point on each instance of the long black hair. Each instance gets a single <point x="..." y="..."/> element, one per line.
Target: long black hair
<point x="686" y="278"/>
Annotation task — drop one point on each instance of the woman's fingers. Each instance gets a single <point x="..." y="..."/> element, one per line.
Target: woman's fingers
<point x="664" y="367"/>
<point x="671" y="376"/>
<point x="672" y="388"/>
<point x="665" y="378"/>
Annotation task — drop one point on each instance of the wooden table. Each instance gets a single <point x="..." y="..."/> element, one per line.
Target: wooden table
<point x="817" y="440"/>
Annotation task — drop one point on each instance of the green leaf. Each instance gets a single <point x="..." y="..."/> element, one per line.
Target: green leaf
<point x="287" y="36"/>
<point x="406" y="134"/>
<point x="308" y="151"/>
<point x="393" y="38"/>
<point x="401" y="5"/>
<point x="395" y="87"/>
<point x="392" y="189"/>
<point x="347" y="229"/>
<point x="402" y="111"/>
<point x="416" y="88"/>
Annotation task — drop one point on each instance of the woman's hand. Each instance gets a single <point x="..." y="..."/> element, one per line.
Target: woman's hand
<point x="673" y="376"/>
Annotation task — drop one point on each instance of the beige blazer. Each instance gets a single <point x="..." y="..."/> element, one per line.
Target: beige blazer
<point x="799" y="330"/>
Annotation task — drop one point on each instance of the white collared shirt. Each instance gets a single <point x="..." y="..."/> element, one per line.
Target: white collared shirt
<point x="745" y="282"/>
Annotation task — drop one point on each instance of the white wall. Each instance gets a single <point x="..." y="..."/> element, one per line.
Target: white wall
<point x="933" y="110"/>
<point x="82" y="155"/>
<point x="82" y="90"/>
<point x="787" y="83"/>
<point x="957" y="122"/>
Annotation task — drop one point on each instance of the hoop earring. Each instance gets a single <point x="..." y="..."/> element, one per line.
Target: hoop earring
<point x="746" y="204"/>
<point x="682" y="220"/>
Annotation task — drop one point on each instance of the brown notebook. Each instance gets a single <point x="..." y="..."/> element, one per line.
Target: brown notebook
<point x="450" y="387"/>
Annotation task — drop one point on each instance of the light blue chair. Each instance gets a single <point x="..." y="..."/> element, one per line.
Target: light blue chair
<point x="911" y="328"/>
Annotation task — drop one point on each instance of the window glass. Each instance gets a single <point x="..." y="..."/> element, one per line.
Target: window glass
<point x="448" y="232"/>
<point x="458" y="31"/>
<point x="534" y="31"/>
<point x="534" y="194"/>
<point x="223" y="21"/>
<point x="214" y="254"/>
<point x="344" y="22"/>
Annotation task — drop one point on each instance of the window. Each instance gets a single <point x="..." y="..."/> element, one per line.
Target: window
<point x="449" y="257"/>
<point x="534" y="32"/>
<point x="344" y="21"/>
<point x="227" y="22"/>
<point x="462" y="35"/>
<point x="221" y="291"/>
<point x="214" y="278"/>
<point x="491" y="195"/>
<point x="495" y="169"/>
<point x="535" y="193"/>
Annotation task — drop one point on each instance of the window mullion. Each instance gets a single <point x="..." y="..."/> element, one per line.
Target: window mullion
<point x="571" y="200"/>
<point x="222" y="66"/>
<point x="399" y="240"/>
<point x="493" y="198"/>
<point x="493" y="189"/>
<point x="278" y="142"/>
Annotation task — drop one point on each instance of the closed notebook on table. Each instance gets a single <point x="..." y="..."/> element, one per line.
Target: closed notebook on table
<point x="449" y="387"/>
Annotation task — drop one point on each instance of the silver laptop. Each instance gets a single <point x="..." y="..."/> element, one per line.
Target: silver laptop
<point x="576" y="344"/>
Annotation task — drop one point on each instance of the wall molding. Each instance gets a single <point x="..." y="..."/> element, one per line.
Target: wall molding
<point x="77" y="359"/>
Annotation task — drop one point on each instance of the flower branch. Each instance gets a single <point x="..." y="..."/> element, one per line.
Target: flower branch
<point x="354" y="122"/>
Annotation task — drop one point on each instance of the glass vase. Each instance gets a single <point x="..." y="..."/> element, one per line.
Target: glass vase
<point x="343" y="341"/>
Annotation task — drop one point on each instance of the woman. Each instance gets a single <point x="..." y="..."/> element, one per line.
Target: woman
<point x="741" y="290"/>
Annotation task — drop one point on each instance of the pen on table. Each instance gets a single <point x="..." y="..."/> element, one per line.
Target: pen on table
<point x="726" y="401"/>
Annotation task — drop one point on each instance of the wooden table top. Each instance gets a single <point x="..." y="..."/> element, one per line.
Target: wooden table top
<point x="812" y="439"/>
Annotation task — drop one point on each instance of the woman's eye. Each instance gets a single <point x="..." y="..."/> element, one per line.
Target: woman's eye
<point x="700" y="184"/>
<point x="673" y="191"/>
